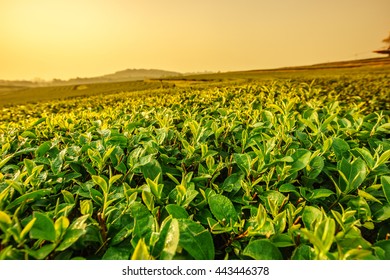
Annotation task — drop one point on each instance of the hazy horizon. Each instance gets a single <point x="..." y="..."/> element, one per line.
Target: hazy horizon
<point x="73" y="38"/>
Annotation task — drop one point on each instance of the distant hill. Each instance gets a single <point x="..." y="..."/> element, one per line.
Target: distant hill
<point x="378" y="61"/>
<point x="140" y="74"/>
<point x="127" y="75"/>
<point x="123" y="76"/>
<point x="370" y="65"/>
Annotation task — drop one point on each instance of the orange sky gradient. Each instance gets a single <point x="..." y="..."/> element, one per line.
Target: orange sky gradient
<point x="84" y="38"/>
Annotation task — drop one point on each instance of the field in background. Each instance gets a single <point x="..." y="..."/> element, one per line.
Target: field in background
<point x="21" y="93"/>
<point x="325" y="70"/>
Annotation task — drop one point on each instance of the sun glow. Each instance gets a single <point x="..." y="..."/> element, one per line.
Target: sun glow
<point x="68" y="38"/>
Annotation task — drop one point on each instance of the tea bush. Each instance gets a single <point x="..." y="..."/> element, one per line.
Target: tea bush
<point x="263" y="170"/>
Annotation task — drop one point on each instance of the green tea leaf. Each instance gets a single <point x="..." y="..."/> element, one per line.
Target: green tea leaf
<point x="340" y="148"/>
<point x="86" y="207"/>
<point x="28" y="134"/>
<point x="352" y="174"/>
<point x="283" y="240"/>
<point x="168" y="240"/>
<point x="303" y="252"/>
<point x="56" y="164"/>
<point x="28" y="198"/>
<point x="42" y="149"/>
<point x="101" y="183"/>
<point x="70" y="176"/>
<point x="118" y="140"/>
<point x="27" y="228"/>
<point x="29" y="164"/>
<point x="5" y="160"/>
<point x="113" y="179"/>
<point x="189" y="150"/>
<point x="385" y="181"/>
<point x="361" y="206"/>
<point x="366" y="155"/>
<point x="309" y="124"/>
<point x="321" y="193"/>
<point x="141" y="251"/>
<point x="68" y="196"/>
<point x="171" y="241"/>
<point x="261" y="216"/>
<point x="5" y="221"/>
<point x="262" y="249"/>
<point x="325" y="232"/>
<point x="301" y="160"/>
<point x="273" y="200"/>
<point x="151" y="170"/>
<point x="310" y="216"/>
<point x="148" y="200"/>
<point x="232" y="183"/>
<point x="383" y="213"/>
<point x="280" y="222"/>
<point x="60" y="226"/>
<point x="117" y="253"/>
<point x="382" y="159"/>
<point x="43" y="227"/>
<point x="244" y="162"/>
<point x="107" y="153"/>
<point x="73" y="233"/>
<point x="196" y="240"/>
<point x="327" y="122"/>
<point x="368" y="196"/>
<point x="349" y="243"/>
<point x="177" y="211"/>
<point x="385" y="246"/>
<point x="155" y="187"/>
<point x="316" y="166"/>
<point x="223" y="209"/>
<point x="42" y="252"/>
<point x="143" y="220"/>
<point x="289" y="188"/>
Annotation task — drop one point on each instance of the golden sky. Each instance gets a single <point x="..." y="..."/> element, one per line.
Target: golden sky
<point x="83" y="38"/>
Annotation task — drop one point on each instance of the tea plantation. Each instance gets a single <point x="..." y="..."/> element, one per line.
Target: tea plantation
<point x="268" y="170"/>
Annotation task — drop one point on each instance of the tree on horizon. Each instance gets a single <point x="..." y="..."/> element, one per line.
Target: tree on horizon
<point x="385" y="50"/>
<point x="387" y="41"/>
